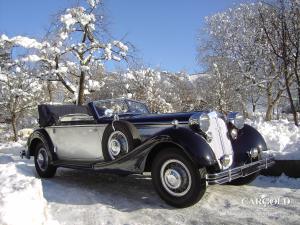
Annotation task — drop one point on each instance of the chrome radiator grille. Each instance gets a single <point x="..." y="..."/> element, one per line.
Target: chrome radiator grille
<point x="220" y="142"/>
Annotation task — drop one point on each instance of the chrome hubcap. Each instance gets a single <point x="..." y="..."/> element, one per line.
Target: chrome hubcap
<point x="117" y="144"/>
<point x="172" y="178"/>
<point x="175" y="177"/>
<point x="115" y="147"/>
<point x="42" y="159"/>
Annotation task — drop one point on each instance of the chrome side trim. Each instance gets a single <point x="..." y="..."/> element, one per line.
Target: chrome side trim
<point x="242" y="171"/>
<point x="170" y="123"/>
<point x="79" y="125"/>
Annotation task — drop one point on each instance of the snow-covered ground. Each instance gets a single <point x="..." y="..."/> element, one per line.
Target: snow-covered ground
<point x="81" y="197"/>
<point x="282" y="137"/>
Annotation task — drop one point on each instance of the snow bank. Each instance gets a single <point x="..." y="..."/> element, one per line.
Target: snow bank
<point x="21" y="196"/>
<point x="282" y="137"/>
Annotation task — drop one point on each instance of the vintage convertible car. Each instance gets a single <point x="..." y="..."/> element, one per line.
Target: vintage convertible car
<point x="184" y="152"/>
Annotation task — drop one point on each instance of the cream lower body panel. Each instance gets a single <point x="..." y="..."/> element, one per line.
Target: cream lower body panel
<point x="77" y="142"/>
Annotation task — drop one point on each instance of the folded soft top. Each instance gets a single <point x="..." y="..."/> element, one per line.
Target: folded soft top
<point x="49" y="114"/>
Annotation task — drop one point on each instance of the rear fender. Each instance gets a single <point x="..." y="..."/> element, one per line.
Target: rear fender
<point x="40" y="135"/>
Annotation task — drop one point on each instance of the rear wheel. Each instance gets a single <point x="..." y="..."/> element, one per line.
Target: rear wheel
<point x="176" y="179"/>
<point x="43" y="161"/>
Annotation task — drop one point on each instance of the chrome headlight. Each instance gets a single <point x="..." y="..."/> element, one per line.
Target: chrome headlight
<point x="253" y="153"/>
<point x="200" y="121"/>
<point x="236" y="119"/>
<point x="234" y="133"/>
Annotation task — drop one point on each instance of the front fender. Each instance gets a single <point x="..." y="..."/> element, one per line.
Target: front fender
<point x="192" y="143"/>
<point x="140" y="159"/>
<point x="248" y="138"/>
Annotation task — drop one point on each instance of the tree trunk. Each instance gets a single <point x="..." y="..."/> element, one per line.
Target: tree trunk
<point x="14" y="126"/>
<point x="80" y="99"/>
<point x="298" y="82"/>
<point x="285" y="58"/>
<point x="50" y="90"/>
<point x="253" y="108"/>
<point x="287" y="83"/>
<point x="245" y="111"/>
<point x="292" y="105"/>
<point x="269" y="113"/>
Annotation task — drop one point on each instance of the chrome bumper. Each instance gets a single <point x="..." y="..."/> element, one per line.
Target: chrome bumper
<point x="242" y="171"/>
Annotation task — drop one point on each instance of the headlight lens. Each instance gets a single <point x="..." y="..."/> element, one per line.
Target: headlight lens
<point x="234" y="133"/>
<point x="204" y="122"/>
<point x="200" y="121"/>
<point x="237" y="120"/>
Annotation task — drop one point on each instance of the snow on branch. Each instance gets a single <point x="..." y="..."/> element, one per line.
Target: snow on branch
<point x="22" y="41"/>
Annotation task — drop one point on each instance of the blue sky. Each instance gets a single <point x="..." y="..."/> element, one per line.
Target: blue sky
<point x="164" y="31"/>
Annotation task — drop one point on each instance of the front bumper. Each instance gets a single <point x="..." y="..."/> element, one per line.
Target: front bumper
<point x="242" y="171"/>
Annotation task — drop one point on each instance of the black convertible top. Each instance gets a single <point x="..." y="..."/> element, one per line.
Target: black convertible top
<point x="49" y="114"/>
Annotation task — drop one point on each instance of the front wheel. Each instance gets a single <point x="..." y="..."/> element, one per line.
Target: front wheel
<point x="176" y="179"/>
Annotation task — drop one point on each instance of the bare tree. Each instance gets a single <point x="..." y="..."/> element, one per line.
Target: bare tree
<point x="278" y="35"/>
<point x="262" y="39"/>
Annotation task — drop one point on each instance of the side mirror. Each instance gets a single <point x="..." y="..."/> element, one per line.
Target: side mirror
<point x="108" y="113"/>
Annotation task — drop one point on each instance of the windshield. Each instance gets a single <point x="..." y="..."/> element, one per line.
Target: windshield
<point x="137" y="107"/>
<point x="118" y="106"/>
<point x="121" y="106"/>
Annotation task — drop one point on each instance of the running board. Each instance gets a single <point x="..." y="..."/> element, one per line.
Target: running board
<point x="74" y="164"/>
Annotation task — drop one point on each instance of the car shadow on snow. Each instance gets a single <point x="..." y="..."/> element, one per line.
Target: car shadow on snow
<point x="125" y="194"/>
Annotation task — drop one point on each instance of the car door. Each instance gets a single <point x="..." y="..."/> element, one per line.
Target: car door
<point x="77" y="142"/>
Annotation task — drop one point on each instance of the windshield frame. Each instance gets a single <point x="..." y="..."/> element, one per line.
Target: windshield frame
<point x="126" y="102"/>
